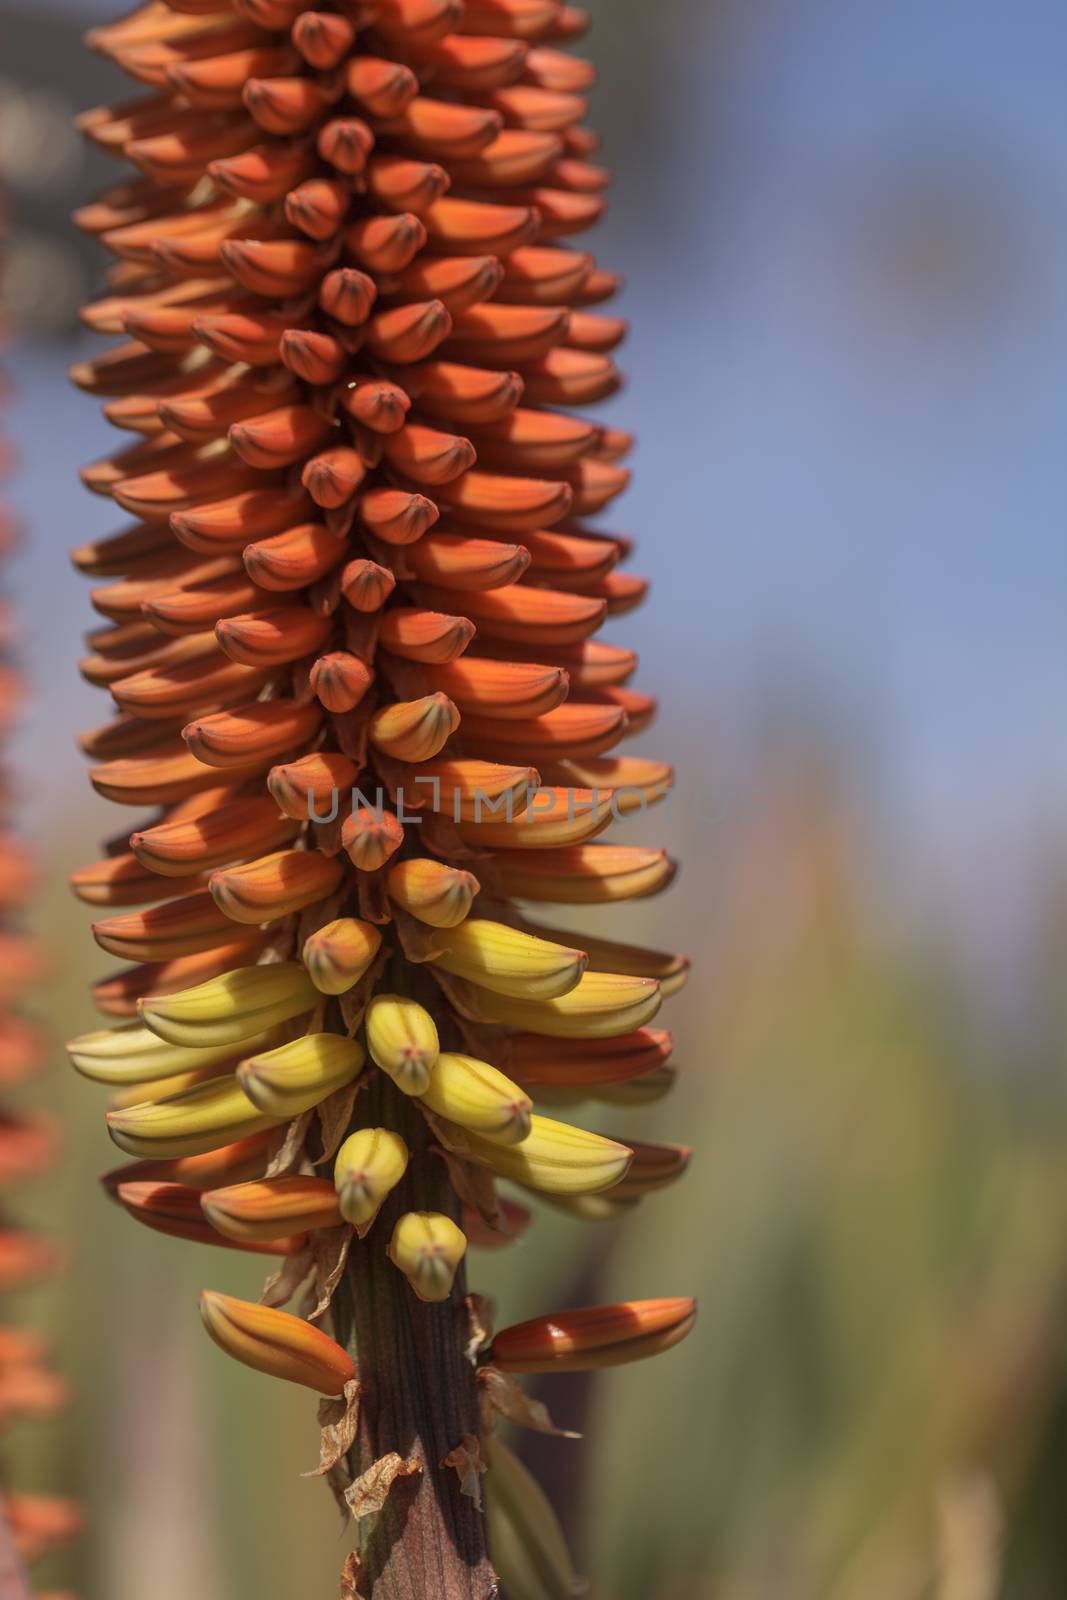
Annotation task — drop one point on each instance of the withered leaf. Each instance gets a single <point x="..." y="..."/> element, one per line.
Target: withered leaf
<point x="466" y="1460"/>
<point x="351" y="1576"/>
<point x="500" y="1393"/>
<point x="372" y="889"/>
<point x="281" y="1286"/>
<point x="371" y="1489"/>
<point x="353" y="1002"/>
<point x="418" y="940"/>
<point x="290" y="1152"/>
<point x="338" y="1419"/>
<point x="334" y="1114"/>
<point x="480" y="1316"/>
<point x="329" y="1252"/>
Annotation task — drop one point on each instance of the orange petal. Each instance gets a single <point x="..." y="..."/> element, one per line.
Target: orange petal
<point x="583" y="874"/>
<point x="534" y="616"/>
<point x="431" y="636"/>
<point x="513" y="690"/>
<point x="293" y="559"/>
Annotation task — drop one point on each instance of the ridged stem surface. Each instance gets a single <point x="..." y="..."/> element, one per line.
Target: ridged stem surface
<point x="419" y="1394"/>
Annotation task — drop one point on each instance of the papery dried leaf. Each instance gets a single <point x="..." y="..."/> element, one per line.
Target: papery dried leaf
<point x="502" y="1395"/>
<point x="338" y="1419"/>
<point x="466" y="1461"/>
<point x="480" y="1316"/>
<point x="329" y="1251"/>
<point x="351" y="1577"/>
<point x="290" y="1152"/>
<point x="334" y="1114"/>
<point x="474" y="1185"/>
<point x="371" y="1489"/>
<point x="281" y="1286"/>
<point x="418" y="940"/>
<point x="353" y="1002"/>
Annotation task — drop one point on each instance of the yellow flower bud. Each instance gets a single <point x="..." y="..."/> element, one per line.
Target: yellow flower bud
<point x="204" y="1118"/>
<point x="296" y="1076"/>
<point x="602" y="1005"/>
<point x="477" y="1096"/>
<point x="509" y="962"/>
<point x="402" y="1039"/>
<point x="369" y="1164"/>
<point x="555" y="1158"/>
<point x="133" y="1054"/>
<point x="428" y="1248"/>
<point x="232" y="1008"/>
<point x="414" y="730"/>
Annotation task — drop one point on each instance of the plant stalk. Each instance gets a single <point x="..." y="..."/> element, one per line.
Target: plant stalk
<point x="419" y="1395"/>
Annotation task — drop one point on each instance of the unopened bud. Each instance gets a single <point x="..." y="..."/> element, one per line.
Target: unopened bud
<point x="232" y="1008"/>
<point x="595" y="1336"/>
<point x="298" y="1075"/>
<point x="338" y="955"/>
<point x="556" y="1158"/>
<point x="369" y="1164"/>
<point x="402" y="1039"/>
<point x="428" y="1247"/>
<point x="276" y="1342"/>
<point x="175" y="1209"/>
<point x="270" y="1208"/>
<point x="213" y="1114"/>
<point x="431" y="891"/>
<point x="508" y="961"/>
<point x="478" y="1097"/>
<point x="414" y="730"/>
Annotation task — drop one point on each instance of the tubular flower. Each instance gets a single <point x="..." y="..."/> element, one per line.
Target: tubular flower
<point x="350" y="626"/>
<point x="599" y="1336"/>
<point x="30" y="1390"/>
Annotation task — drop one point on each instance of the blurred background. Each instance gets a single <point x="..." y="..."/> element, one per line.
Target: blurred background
<point x="844" y="229"/>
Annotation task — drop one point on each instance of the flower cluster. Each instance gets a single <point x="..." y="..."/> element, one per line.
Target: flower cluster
<point x="350" y="635"/>
<point x="31" y="1524"/>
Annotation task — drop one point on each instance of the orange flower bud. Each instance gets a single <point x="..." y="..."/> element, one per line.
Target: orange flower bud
<point x="432" y="891"/>
<point x="277" y="1343"/>
<point x="597" y="1336"/>
<point x="338" y="954"/>
<point x="176" y="1209"/>
<point x="271" y="1209"/>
